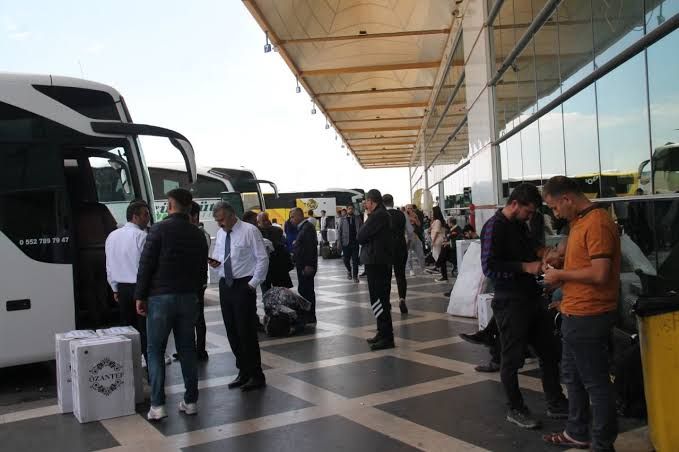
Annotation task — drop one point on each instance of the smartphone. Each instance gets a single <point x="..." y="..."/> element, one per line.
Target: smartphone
<point x="213" y="261"/>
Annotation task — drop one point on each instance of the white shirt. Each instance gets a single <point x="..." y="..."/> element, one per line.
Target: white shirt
<point x="123" y="250"/>
<point x="324" y="220"/>
<point x="248" y="253"/>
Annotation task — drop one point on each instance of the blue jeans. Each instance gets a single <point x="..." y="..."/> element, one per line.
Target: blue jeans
<point x="177" y="313"/>
<point x="585" y="368"/>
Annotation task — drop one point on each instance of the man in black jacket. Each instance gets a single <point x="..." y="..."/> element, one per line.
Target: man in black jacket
<point x="172" y="270"/>
<point x="376" y="254"/>
<point x="346" y="236"/>
<point x="400" y="250"/>
<point x="305" y="249"/>
<point x="511" y="258"/>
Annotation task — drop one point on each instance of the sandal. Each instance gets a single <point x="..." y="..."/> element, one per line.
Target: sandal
<point x="561" y="439"/>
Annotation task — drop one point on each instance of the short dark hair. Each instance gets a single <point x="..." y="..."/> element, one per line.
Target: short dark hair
<point x="388" y="200"/>
<point x="374" y="195"/>
<point x="322" y="212"/>
<point x="525" y="194"/>
<point x="182" y="198"/>
<point x="195" y="208"/>
<point x="560" y="185"/>
<point x="310" y="212"/>
<point x="135" y="208"/>
<point x="250" y="217"/>
<point x="274" y="221"/>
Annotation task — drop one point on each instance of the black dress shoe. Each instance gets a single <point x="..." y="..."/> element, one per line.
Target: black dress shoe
<point x="383" y="344"/>
<point x="238" y="382"/>
<point x="203" y="356"/>
<point x="478" y="338"/>
<point x="372" y="340"/>
<point x="253" y="384"/>
<point x="402" y="306"/>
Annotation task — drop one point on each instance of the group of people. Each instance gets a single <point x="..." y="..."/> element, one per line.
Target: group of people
<point x="159" y="276"/>
<point x="578" y="280"/>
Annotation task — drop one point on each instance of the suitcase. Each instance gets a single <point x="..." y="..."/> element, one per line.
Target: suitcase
<point x="329" y="252"/>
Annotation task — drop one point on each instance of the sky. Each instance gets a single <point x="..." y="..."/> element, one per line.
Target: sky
<point x="198" y="68"/>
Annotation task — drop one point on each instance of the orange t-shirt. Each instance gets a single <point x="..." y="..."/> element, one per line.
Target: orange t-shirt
<point x="593" y="234"/>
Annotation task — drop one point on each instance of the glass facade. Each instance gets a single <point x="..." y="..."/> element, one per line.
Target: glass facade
<point x="618" y="135"/>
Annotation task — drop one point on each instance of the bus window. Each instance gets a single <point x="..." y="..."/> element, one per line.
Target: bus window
<point x="164" y="180"/>
<point x="33" y="206"/>
<point x="113" y="182"/>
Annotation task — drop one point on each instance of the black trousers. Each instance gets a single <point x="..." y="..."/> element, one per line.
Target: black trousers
<point x="128" y="313"/>
<point x="350" y="256"/>
<point x="239" y="311"/>
<point x="399" y="269"/>
<point x="305" y="287"/>
<point x="442" y="262"/>
<point x="522" y="322"/>
<point x="201" y="329"/>
<point x="379" y="286"/>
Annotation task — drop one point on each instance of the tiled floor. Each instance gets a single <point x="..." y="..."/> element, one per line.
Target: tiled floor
<point x="326" y="390"/>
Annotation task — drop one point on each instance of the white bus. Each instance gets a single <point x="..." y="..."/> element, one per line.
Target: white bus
<point x="70" y="161"/>
<point x="211" y="185"/>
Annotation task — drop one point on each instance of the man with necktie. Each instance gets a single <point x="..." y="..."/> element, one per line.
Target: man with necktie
<point x="242" y="260"/>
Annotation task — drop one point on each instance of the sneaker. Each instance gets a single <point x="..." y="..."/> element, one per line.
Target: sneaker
<point x="488" y="368"/>
<point x="168" y="359"/>
<point x="188" y="408"/>
<point x="558" y="410"/>
<point x="523" y="419"/>
<point x="349" y="276"/>
<point x="478" y="338"/>
<point x="156" y="413"/>
<point x="372" y="340"/>
<point x="402" y="306"/>
<point x="202" y="356"/>
<point x="441" y="279"/>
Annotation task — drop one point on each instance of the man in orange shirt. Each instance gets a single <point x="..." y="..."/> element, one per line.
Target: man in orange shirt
<point x="590" y="280"/>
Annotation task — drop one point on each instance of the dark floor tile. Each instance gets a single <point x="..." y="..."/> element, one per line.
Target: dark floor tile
<point x="429" y="305"/>
<point x="219" y="365"/>
<point x="432" y="330"/>
<point x="219" y="405"/>
<point x="371" y="376"/>
<point x="338" y="434"/>
<point x="219" y="329"/>
<point x="30" y="383"/>
<point x="320" y="349"/>
<point x="351" y="317"/>
<point x="60" y="432"/>
<point x="475" y="413"/>
<point x="435" y="288"/>
<point x="462" y="351"/>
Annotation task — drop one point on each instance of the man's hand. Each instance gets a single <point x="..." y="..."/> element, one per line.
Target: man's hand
<point x="254" y="289"/>
<point x="115" y="297"/>
<point x="552" y="277"/>
<point x="555" y="305"/>
<point x="533" y="268"/>
<point x="308" y="270"/>
<point x="141" y="307"/>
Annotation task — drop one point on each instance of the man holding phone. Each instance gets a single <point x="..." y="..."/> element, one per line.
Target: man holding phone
<point x="242" y="260"/>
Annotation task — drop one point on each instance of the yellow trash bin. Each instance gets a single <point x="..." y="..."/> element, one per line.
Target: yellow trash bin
<point x="658" y="319"/>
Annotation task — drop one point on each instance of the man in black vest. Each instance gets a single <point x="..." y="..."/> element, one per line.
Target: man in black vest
<point x="400" y="249"/>
<point x="376" y="254"/>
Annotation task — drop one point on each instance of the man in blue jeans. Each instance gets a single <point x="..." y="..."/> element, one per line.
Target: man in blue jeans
<point x="590" y="280"/>
<point x="172" y="270"/>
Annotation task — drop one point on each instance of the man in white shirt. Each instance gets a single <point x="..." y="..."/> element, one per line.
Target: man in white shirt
<point x="123" y="250"/>
<point x="311" y="218"/>
<point x="242" y="260"/>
